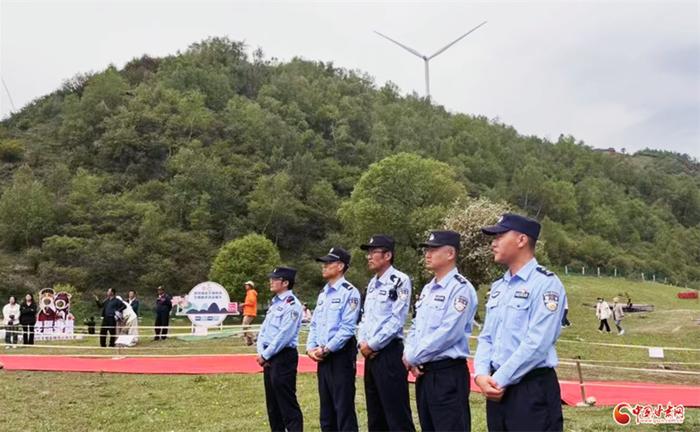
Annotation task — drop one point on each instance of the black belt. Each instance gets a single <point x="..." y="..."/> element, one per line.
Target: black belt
<point x="350" y="344"/>
<point x="537" y="372"/>
<point x="391" y="344"/>
<point x="442" y="364"/>
<point x="283" y="350"/>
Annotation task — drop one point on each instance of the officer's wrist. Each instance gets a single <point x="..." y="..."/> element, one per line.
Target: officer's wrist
<point x="478" y="376"/>
<point x="481" y="372"/>
<point x="499" y="379"/>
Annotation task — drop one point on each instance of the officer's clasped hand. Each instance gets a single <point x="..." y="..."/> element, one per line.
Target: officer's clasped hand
<point x="489" y="388"/>
<point x="366" y="351"/>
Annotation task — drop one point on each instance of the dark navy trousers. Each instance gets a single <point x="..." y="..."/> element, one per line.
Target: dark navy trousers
<point x="280" y="378"/>
<point x="336" y="388"/>
<point x="533" y="404"/>
<point x="386" y="390"/>
<point x="442" y="396"/>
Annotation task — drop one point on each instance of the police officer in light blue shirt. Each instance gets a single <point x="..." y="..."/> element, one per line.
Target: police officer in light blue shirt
<point x="438" y="342"/>
<point x="515" y="358"/>
<point x="331" y="343"/>
<point x="277" y="352"/>
<point x="380" y="337"/>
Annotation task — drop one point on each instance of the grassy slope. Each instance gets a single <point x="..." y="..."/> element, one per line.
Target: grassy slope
<point x="95" y="402"/>
<point x="236" y="402"/>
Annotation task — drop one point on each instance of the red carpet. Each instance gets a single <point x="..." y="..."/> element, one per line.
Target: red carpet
<point x="607" y="393"/>
<point x="610" y="393"/>
<point x="197" y="365"/>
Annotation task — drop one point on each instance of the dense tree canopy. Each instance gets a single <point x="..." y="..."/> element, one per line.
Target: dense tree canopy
<point x="137" y="177"/>
<point x="251" y="257"/>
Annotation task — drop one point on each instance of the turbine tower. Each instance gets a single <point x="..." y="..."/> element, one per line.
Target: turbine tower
<point x="426" y="59"/>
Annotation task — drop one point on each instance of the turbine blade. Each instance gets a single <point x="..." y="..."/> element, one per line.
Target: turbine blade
<point x="441" y="50"/>
<point x="409" y="49"/>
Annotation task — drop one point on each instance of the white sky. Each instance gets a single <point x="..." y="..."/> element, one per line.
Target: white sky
<point x="620" y="74"/>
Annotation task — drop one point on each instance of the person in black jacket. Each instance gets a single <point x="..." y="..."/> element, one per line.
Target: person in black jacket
<point x="164" y="303"/>
<point x="27" y="319"/>
<point x="110" y="307"/>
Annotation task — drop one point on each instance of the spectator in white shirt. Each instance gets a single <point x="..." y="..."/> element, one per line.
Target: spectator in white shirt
<point x="10" y="319"/>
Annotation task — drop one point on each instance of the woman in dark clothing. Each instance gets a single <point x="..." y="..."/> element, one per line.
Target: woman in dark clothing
<point x="27" y="319"/>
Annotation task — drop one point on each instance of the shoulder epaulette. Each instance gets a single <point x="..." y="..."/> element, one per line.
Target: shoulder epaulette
<point x="460" y="278"/>
<point x="544" y="271"/>
<point x="290" y="300"/>
<point x="348" y="286"/>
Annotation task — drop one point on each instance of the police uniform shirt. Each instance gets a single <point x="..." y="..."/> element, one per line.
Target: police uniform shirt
<point x="335" y="319"/>
<point x="386" y="307"/>
<point x="280" y="329"/>
<point x="444" y="314"/>
<point x="523" y="321"/>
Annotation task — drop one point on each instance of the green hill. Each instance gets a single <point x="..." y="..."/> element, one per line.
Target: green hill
<point x="135" y="177"/>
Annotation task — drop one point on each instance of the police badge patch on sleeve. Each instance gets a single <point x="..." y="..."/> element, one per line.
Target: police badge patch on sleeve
<point x="460" y="303"/>
<point x="551" y="300"/>
<point x="403" y="294"/>
<point x="353" y="302"/>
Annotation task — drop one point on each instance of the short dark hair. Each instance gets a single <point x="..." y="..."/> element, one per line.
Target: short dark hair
<point x="456" y="249"/>
<point x="291" y="284"/>
<point x="391" y="261"/>
<point x="133" y="291"/>
<point x="531" y="242"/>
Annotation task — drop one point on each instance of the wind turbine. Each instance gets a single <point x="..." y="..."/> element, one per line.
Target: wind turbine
<point x="9" y="96"/>
<point x="426" y="59"/>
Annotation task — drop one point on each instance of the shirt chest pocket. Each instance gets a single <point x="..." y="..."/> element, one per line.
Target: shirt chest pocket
<point x="385" y="302"/>
<point x="517" y="314"/>
<point x="436" y="310"/>
<point x="491" y="305"/>
<point x="277" y="317"/>
<point x="334" y="306"/>
<point x="419" y="302"/>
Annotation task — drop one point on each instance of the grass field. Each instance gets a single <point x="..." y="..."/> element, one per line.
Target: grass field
<point x="96" y="402"/>
<point x="106" y="402"/>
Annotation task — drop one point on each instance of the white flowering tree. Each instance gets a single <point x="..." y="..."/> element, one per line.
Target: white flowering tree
<point x="467" y="217"/>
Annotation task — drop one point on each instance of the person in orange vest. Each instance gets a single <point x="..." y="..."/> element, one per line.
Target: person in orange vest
<point x="250" y="310"/>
